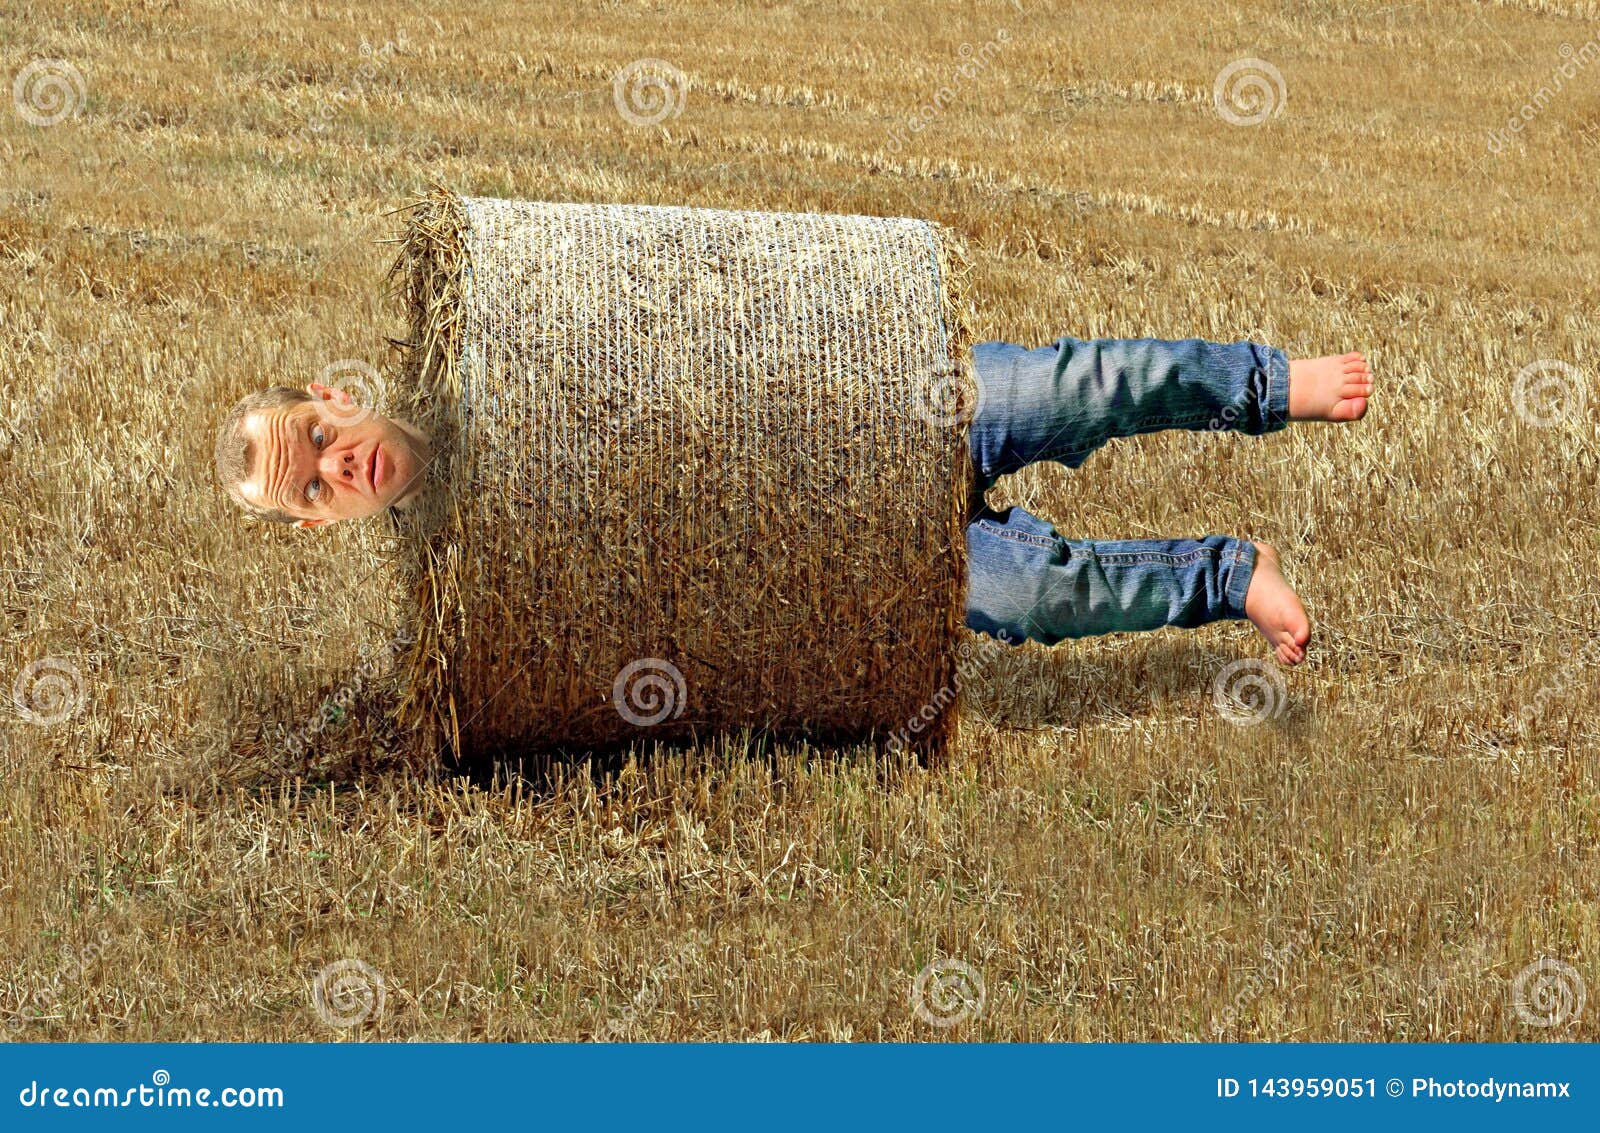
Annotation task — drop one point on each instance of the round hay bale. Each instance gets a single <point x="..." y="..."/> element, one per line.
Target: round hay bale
<point x="697" y="470"/>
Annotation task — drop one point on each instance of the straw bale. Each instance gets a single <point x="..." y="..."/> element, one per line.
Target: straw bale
<point x="697" y="470"/>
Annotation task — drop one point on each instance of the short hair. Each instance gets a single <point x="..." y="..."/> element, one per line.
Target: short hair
<point x="235" y="452"/>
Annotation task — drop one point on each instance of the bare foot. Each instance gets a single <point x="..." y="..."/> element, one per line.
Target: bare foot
<point x="1275" y="608"/>
<point x="1334" y="388"/>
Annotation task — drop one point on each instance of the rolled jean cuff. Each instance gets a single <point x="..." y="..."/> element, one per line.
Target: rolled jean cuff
<point x="1275" y="413"/>
<point x="1239" y="566"/>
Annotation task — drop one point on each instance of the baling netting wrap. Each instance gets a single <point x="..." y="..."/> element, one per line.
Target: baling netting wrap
<point x="697" y="470"/>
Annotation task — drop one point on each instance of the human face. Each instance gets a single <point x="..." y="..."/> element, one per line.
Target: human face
<point x="329" y="459"/>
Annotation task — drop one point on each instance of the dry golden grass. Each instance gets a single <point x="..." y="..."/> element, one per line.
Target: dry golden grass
<point x="1115" y="858"/>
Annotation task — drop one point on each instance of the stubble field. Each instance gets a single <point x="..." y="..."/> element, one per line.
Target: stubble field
<point x="1405" y="848"/>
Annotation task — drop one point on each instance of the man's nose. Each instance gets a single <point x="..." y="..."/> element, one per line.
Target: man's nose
<point x="342" y="464"/>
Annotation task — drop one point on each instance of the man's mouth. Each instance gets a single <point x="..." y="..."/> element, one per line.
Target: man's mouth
<point x="377" y="466"/>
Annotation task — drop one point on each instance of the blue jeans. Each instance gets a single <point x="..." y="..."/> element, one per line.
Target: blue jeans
<point x="1061" y="402"/>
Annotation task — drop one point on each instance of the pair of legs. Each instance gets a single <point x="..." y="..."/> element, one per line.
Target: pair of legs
<point x="1061" y="402"/>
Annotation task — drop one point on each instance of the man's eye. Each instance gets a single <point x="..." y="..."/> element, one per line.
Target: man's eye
<point x="316" y="435"/>
<point x="313" y="490"/>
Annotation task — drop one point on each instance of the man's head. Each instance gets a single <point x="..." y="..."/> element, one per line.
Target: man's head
<point x="313" y="456"/>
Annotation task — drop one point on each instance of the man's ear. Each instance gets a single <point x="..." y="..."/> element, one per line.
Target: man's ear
<point x="302" y="523"/>
<point x="323" y="392"/>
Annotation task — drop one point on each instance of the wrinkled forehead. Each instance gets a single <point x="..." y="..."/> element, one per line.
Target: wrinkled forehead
<point x="266" y="433"/>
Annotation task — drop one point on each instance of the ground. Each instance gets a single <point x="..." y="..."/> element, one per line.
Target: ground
<point x="1396" y="843"/>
